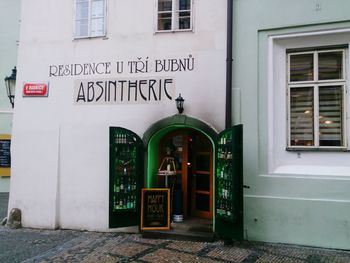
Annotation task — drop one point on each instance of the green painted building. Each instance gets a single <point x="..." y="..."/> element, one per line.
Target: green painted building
<point x="290" y="81"/>
<point x="9" y="34"/>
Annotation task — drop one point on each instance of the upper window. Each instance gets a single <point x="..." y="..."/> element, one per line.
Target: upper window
<point x="174" y="15"/>
<point x="90" y="18"/>
<point x="316" y="99"/>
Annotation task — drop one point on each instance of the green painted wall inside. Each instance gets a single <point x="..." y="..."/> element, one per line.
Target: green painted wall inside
<point x="153" y="136"/>
<point x="309" y="210"/>
<point x="157" y="131"/>
<point x="152" y="156"/>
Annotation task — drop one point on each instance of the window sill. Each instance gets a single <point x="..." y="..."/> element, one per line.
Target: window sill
<point x="312" y="171"/>
<point x="95" y="37"/>
<point x="297" y="149"/>
<point x="173" y="31"/>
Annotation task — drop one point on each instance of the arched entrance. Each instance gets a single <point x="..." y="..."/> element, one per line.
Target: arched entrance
<point x="192" y="144"/>
<point x="198" y="151"/>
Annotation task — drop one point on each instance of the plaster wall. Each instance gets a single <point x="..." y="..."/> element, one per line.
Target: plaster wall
<point x="60" y="149"/>
<point x="9" y="34"/>
<point x="300" y="199"/>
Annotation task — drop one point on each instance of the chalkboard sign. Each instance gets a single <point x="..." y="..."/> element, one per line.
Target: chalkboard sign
<point x="155" y="209"/>
<point x="5" y="157"/>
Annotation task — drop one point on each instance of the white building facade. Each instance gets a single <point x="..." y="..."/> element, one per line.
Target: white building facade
<point x="105" y="64"/>
<point x="86" y="67"/>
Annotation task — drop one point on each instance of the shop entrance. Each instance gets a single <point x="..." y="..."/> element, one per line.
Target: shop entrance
<point x="191" y="183"/>
<point x="180" y="156"/>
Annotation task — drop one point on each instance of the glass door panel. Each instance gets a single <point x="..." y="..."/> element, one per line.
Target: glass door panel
<point x="202" y="205"/>
<point x="229" y="184"/>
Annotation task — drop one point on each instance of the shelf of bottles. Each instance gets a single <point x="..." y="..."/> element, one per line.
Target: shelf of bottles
<point x="125" y="183"/>
<point x="225" y="182"/>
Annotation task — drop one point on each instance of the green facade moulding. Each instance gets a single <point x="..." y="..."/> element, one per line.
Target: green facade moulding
<point x="155" y="132"/>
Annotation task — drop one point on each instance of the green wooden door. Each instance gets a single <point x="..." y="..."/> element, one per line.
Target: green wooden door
<point x="229" y="184"/>
<point x="125" y="177"/>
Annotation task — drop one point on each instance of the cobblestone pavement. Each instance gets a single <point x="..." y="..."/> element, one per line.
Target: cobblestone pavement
<point x="29" y="245"/>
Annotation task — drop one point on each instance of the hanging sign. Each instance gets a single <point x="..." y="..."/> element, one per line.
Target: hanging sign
<point x="36" y="89"/>
<point x="155" y="209"/>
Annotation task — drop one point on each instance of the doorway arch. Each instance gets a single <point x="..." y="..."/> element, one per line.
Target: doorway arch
<point x="176" y="124"/>
<point x="156" y="132"/>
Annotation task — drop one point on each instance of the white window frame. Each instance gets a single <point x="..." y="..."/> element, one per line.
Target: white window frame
<point x="174" y="17"/>
<point x="89" y="20"/>
<point x="315" y="84"/>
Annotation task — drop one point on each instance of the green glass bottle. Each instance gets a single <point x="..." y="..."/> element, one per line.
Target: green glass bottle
<point x="117" y="185"/>
<point x="121" y="185"/>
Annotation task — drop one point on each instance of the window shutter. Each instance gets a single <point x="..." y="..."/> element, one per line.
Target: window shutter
<point x="301" y="116"/>
<point x="301" y="67"/>
<point x="330" y="114"/>
<point x="316" y="84"/>
<point x="330" y="65"/>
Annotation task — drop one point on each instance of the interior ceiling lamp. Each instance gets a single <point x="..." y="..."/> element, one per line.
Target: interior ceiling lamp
<point x="180" y="103"/>
<point x="10" y="83"/>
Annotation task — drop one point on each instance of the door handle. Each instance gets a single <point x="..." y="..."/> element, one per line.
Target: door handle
<point x="246" y="186"/>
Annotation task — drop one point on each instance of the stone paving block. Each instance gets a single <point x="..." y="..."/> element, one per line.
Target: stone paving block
<point x="282" y="249"/>
<point x="341" y="259"/>
<point x="100" y="258"/>
<point x="317" y="258"/>
<point x="109" y="245"/>
<point x="102" y="253"/>
<point x="306" y="254"/>
<point x="128" y="249"/>
<point x="137" y="238"/>
<point x="77" y="252"/>
<point x="267" y="258"/>
<point x="164" y="255"/>
<point x="187" y="246"/>
<point x="230" y="253"/>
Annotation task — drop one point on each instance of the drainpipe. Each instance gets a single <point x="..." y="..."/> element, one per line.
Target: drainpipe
<point x="228" y="110"/>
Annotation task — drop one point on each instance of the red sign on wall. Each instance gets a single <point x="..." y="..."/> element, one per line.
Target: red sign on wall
<point x="35" y="90"/>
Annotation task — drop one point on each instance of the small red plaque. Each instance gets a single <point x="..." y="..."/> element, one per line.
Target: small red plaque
<point x="35" y="90"/>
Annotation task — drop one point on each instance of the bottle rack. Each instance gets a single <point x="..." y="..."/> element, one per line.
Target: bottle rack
<point x="225" y="182"/>
<point x="125" y="178"/>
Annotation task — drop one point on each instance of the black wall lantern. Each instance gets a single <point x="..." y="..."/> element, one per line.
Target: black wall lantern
<point x="180" y="103"/>
<point x="10" y="83"/>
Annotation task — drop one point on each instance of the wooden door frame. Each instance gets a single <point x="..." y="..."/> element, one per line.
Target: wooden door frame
<point x="184" y="171"/>
<point x="199" y="213"/>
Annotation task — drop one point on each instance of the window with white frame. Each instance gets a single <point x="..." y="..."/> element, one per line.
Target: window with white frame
<point x="316" y="99"/>
<point x="90" y="18"/>
<point x="174" y="15"/>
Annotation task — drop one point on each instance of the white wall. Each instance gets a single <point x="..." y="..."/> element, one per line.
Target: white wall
<point x="60" y="150"/>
